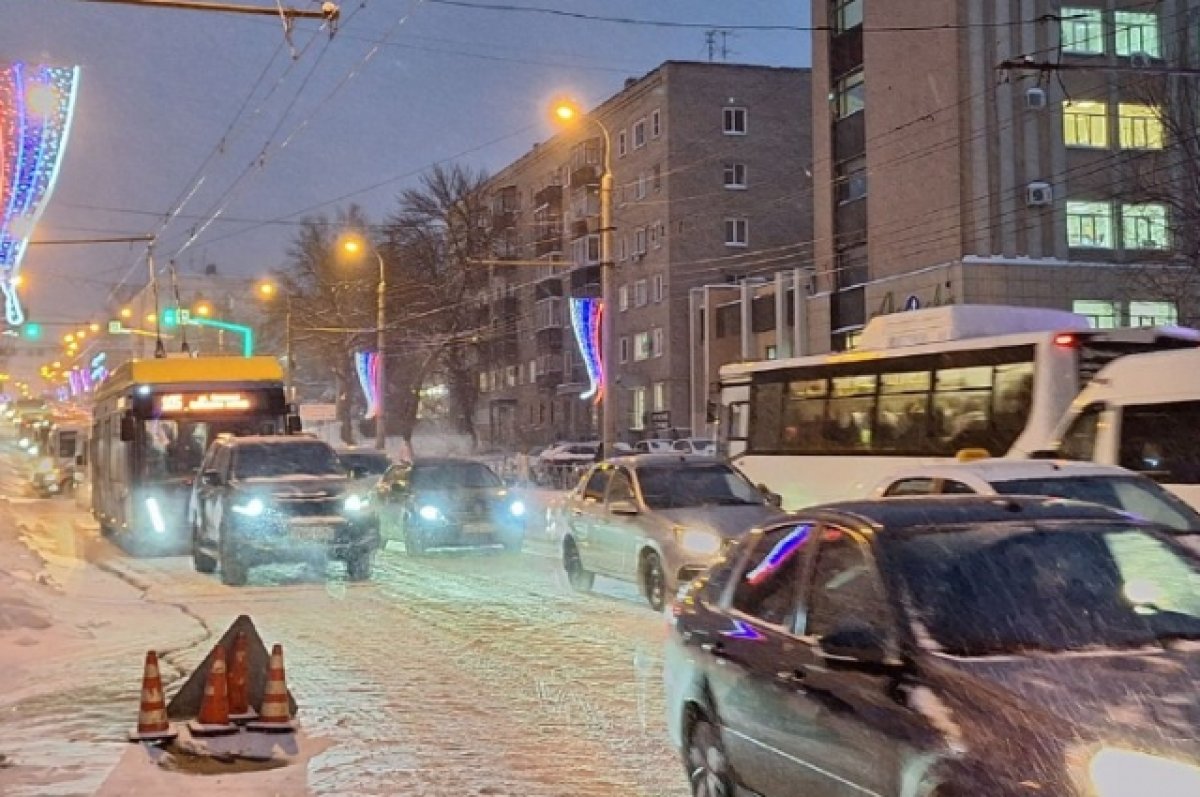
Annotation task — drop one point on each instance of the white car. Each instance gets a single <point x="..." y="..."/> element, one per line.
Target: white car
<point x="652" y="447"/>
<point x="695" y="445"/>
<point x="1108" y="485"/>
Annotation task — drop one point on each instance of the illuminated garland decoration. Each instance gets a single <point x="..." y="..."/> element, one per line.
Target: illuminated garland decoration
<point x="36" y="107"/>
<point x="366" y="363"/>
<point x="586" y="317"/>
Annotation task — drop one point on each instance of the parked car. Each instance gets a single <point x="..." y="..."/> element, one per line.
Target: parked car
<point x="952" y="647"/>
<point x="560" y="465"/>
<point x="1084" y="481"/>
<point x="652" y="446"/>
<point x="694" y="445"/>
<point x="278" y="499"/>
<point x="656" y="520"/>
<point x="434" y="503"/>
<point x="364" y="465"/>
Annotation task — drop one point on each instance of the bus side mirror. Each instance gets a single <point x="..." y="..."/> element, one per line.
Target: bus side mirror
<point x="294" y="426"/>
<point x="128" y="428"/>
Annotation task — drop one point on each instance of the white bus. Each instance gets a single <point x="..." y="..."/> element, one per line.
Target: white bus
<point x="1142" y="413"/>
<point x="923" y="386"/>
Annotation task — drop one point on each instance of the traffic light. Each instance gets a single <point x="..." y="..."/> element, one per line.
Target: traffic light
<point x="32" y="331"/>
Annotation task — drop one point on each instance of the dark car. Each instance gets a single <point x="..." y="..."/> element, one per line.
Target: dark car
<point x="366" y="466"/>
<point x="433" y="503"/>
<point x="278" y="499"/>
<point x="953" y="647"/>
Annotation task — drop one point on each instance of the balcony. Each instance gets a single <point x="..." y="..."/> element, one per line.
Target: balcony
<point x="548" y="287"/>
<point x="548" y="243"/>
<point x="585" y="281"/>
<point x="551" y="195"/>
<point x="586" y="175"/>
<point x="581" y="228"/>
<point x="549" y="340"/>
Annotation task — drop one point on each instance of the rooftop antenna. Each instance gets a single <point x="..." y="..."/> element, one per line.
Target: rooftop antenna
<point x="710" y="40"/>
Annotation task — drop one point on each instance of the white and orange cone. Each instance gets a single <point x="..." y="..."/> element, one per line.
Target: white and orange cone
<point x="275" y="715"/>
<point x="153" y="725"/>
<point x="214" y="709"/>
<point x="239" y="667"/>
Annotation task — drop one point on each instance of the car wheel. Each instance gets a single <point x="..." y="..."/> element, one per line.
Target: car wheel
<point x="706" y="762"/>
<point x="580" y="580"/>
<point x="200" y="560"/>
<point x="233" y="569"/>
<point x="358" y="566"/>
<point x="654" y="581"/>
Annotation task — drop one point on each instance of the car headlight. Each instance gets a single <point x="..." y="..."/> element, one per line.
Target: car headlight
<point x="1126" y="773"/>
<point x="430" y="512"/>
<point x="700" y="542"/>
<point x="252" y="508"/>
<point x="517" y="508"/>
<point x="23" y="442"/>
<point x="355" y="503"/>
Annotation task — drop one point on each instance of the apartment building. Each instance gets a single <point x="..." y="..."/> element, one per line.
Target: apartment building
<point x="1003" y="151"/>
<point x="711" y="184"/>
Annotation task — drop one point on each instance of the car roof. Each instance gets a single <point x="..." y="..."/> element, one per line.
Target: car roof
<point x="419" y="461"/>
<point x="271" y="440"/>
<point x="374" y="452"/>
<point x="641" y="460"/>
<point x="900" y="514"/>
<point x="1004" y="469"/>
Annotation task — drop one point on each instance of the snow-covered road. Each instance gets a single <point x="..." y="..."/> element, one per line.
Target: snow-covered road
<point x="458" y="674"/>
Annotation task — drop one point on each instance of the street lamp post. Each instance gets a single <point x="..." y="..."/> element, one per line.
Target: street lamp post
<point x="566" y="112"/>
<point x="353" y="245"/>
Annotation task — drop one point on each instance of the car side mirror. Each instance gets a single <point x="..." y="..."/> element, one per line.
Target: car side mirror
<point x="128" y="428"/>
<point x="211" y="478"/>
<point x="625" y="508"/>
<point x="855" y="644"/>
<point x="773" y="498"/>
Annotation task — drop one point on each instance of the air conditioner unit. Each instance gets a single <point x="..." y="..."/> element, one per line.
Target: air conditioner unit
<point x="1035" y="99"/>
<point x="1038" y="194"/>
<point x="1141" y="60"/>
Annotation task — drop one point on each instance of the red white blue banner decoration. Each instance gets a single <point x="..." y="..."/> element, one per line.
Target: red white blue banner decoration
<point x="586" y="318"/>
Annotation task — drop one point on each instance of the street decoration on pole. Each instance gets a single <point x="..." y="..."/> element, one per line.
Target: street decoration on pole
<point x="36" y="107"/>
<point x="366" y="365"/>
<point x="587" y="320"/>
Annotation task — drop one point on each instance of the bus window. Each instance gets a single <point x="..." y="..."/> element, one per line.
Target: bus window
<point x="174" y="448"/>
<point x="903" y="409"/>
<point x="1013" y="402"/>
<point x="850" y="414"/>
<point x="804" y="415"/>
<point x="767" y="402"/>
<point x="67" y="445"/>
<point x="1160" y="440"/>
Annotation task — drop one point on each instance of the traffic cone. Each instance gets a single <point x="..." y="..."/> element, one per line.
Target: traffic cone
<point x="239" y="666"/>
<point x="214" y="709"/>
<point x="153" y="725"/>
<point x="276" y="715"/>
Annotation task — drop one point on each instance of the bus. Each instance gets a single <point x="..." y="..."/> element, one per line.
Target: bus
<point x="923" y="386"/>
<point x="152" y="421"/>
<point x="1142" y="413"/>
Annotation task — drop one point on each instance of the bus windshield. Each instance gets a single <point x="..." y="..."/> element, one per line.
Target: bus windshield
<point x="175" y="448"/>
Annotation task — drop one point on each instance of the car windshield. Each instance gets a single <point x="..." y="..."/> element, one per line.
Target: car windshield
<point x="276" y="460"/>
<point x="680" y="485"/>
<point x="371" y="464"/>
<point x="1133" y="494"/>
<point x="1051" y="587"/>
<point x="454" y="476"/>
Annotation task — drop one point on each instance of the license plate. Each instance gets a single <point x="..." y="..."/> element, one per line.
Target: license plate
<point x="477" y="528"/>
<point x="313" y="533"/>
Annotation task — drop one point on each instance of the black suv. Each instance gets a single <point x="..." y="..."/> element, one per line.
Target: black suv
<point x="278" y="499"/>
<point x="950" y="647"/>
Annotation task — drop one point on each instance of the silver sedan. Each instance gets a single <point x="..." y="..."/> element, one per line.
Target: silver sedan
<point x="657" y="520"/>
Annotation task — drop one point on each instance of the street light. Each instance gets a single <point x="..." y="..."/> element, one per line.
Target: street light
<point x="267" y="291"/>
<point x="566" y="112"/>
<point x="355" y="245"/>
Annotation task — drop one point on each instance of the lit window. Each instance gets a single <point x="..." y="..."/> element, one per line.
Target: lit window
<point x="1141" y="126"/>
<point x="639" y="134"/>
<point x="637" y="419"/>
<point x="1100" y="314"/>
<point x="848" y="95"/>
<point x="641" y="346"/>
<point x="735" y="175"/>
<point x="1090" y="225"/>
<point x="1144" y="226"/>
<point x="655" y="124"/>
<point x="846" y="14"/>
<point x="1085" y="123"/>
<point x="1082" y="30"/>
<point x="1137" y="32"/>
<point x="735" y="121"/>
<point x="1152" y="314"/>
<point x="737" y="232"/>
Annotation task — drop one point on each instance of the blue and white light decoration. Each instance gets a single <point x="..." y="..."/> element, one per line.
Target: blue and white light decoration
<point x="37" y="104"/>
<point x="586" y="318"/>
<point x="366" y="363"/>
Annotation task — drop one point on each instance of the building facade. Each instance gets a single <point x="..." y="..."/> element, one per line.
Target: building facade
<point x="1004" y="152"/>
<point x="711" y="184"/>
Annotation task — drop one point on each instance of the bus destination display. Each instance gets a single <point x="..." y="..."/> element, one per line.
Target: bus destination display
<point x="204" y="402"/>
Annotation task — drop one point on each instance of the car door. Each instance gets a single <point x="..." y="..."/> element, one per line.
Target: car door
<point x="617" y="534"/>
<point x="862" y="726"/>
<point x="754" y="689"/>
<point x="580" y="514"/>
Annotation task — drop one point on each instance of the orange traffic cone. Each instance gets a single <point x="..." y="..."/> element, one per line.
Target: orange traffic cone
<point x="153" y="725"/>
<point x="214" y="709"/>
<point x="239" y="701"/>
<point x="276" y="714"/>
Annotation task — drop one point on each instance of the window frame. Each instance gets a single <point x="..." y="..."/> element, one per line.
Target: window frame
<point x="622" y="143"/>
<point x="1133" y="213"/>
<point x="1086" y="124"/>
<point x="749" y="559"/>
<point x="732" y="238"/>
<point x="639" y="134"/>
<point x="655" y="123"/>
<point x="1110" y="221"/>
<point x="891" y="629"/>
<point x="730" y="116"/>
<point x="1092" y="17"/>
<point x="1125" y="29"/>
<point x="848" y="96"/>
<point x="732" y="170"/>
